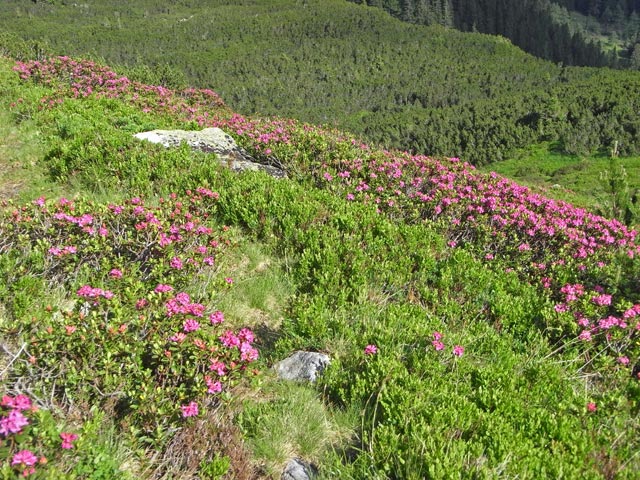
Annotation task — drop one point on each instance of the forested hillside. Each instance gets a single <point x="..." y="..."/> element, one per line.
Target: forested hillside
<point x="425" y="89"/>
<point x="527" y="23"/>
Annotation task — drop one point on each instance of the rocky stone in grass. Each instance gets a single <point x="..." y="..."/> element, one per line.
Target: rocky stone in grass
<point x="211" y="140"/>
<point x="298" y="469"/>
<point x="302" y="366"/>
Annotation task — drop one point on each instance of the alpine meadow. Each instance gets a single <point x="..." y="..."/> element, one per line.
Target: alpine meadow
<point x="477" y="325"/>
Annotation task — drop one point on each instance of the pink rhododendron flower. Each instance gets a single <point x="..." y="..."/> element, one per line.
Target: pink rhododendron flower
<point x="24" y="457"/>
<point x="623" y="360"/>
<point x="458" y="350"/>
<point x="161" y="288"/>
<point x="438" y="345"/>
<point x="370" y="350"/>
<point x="248" y="353"/>
<point x="585" y="336"/>
<point x="190" y="410"/>
<point x="19" y="402"/>
<point x="591" y="407"/>
<point x="190" y="325"/>
<point x="216" y="317"/>
<point x="583" y="322"/>
<point x="229" y="339"/>
<point x="115" y="273"/>
<point x="246" y="335"/>
<point x="176" y="263"/>
<point x="13" y="423"/>
<point x="219" y="367"/>
<point x="68" y="439"/>
<point x="178" y="337"/>
<point x="141" y="303"/>
<point x="213" y="386"/>
<point x="602" y="300"/>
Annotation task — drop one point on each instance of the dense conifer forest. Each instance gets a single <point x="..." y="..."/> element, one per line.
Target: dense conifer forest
<point x="527" y="23"/>
<point x="425" y="89"/>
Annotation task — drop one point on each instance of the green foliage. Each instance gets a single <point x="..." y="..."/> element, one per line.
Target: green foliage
<point x="429" y="90"/>
<point x="573" y="178"/>
<point x="529" y="24"/>
<point x="476" y="373"/>
<point x="620" y="201"/>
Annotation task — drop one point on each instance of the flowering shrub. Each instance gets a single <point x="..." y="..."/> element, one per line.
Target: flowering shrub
<point x="510" y="263"/>
<point x="23" y="449"/>
<point x="129" y="331"/>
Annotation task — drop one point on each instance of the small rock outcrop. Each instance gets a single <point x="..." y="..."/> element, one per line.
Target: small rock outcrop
<point x="302" y="366"/>
<point x="298" y="469"/>
<point x="211" y="140"/>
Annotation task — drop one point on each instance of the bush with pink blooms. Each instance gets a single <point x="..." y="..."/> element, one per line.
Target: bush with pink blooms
<point x="134" y="341"/>
<point x="469" y="320"/>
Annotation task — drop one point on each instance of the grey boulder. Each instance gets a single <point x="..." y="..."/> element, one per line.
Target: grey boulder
<point x="211" y="140"/>
<point x="298" y="469"/>
<point x="302" y="366"/>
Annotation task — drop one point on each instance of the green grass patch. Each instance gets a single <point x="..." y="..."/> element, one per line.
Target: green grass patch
<point x="572" y="178"/>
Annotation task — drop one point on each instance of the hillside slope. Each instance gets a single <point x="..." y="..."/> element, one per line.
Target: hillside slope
<point x="429" y="90"/>
<point x="476" y="329"/>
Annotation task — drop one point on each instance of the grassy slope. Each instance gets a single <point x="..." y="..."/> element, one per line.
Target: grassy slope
<point x="330" y="275"/>
<point x="573" y="178"/>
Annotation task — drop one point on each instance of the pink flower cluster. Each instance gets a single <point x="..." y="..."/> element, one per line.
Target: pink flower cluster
<point x="181" y="305"/>
<point x="67" y="440"/>
<point x="189" y="410"/>
<point x="370" y="350"/>
<point x="12" y="424"/>
<point x="62" y="251"/>
<point x="83" y="78"/>
<point x="438" y="345"/>
<point x="242" y="341"/>
<point x="88" y="291"/>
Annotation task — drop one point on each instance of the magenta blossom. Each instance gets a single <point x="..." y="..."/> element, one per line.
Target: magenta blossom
<point x="248" y="353"/>
<point x="218" y="367"/>
<point x="370" y="350"/>
<point x="68" y="439"/>
<point x="190" y="325"/>
<point x="229" y="339"/>
<point x="213" y="386"/>
<point x="13" y="423"/>
<point x="176" y="263"/>
<point x="602" y="300"/>
<point x="190" y="410"/>
<point x="246" y="335"/>
<point x="19" y="402"/>
<point x="458" y="350"/>
<point x="216" y="317"/>
<point x="115" y="273"/>
<point x="24" y="457"/>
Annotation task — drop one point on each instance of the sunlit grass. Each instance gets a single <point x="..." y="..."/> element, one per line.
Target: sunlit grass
<point x="575" y="179"/>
